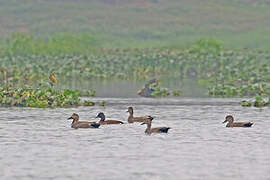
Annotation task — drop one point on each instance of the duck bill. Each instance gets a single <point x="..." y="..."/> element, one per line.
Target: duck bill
<point x="143" y="123"/>
<point x="69" y="118"/>
<point x="225" y="121"/>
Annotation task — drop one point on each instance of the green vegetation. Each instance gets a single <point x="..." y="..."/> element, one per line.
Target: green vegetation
<point x="139" y="23"/>
<point x="177" y="92"/>
<point x="87" y="93"/>
<point x="258" y="102"/>
<point x="77" y="40"/>
<point x="160" y="92"/>
<point x="102" y="103"/>
<point x="164" y="92"/>
<point x="41" y="98"/>
<point x="226" y="73"/>
<point x="24" y="44"/>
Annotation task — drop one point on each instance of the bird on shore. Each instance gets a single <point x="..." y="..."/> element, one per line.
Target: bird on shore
<point x="52" y="78"/>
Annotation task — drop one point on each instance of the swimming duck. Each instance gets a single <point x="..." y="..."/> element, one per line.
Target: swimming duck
<point x="150" y="130"/>
<point x="230" y="123"/>
<point x="102" y="121"/>
<point x="82" y="124"/>
<point x="132" y="119"/>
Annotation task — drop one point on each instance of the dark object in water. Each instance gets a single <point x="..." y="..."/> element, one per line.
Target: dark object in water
<point x="147" y="91"/>
<point x="164" y="129"/>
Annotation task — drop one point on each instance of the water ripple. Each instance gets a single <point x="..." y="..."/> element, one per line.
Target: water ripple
<point x="39" y="143"/>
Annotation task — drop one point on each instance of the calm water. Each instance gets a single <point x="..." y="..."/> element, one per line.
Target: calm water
<point x="39" y="143"/>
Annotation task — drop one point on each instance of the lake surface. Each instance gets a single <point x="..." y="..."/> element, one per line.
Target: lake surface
<point x="39" y="143"/>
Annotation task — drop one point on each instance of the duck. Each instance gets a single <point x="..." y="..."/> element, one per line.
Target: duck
<point x="102" y="121"/>
<point x="82" y="124"/>
<point x="150" y="130"/>
<point x="132" y="119"/>
<point x="230" y="123"/>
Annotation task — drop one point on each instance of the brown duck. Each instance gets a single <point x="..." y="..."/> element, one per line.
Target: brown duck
<point x="132" y="119"/>
<point x="150" y="130"/>
<point x="230" y="123"/>
<point x="82" y="124"/>
<point x="102" y="121"/>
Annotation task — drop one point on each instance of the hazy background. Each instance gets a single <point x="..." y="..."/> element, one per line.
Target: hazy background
<point x="142" y="23"/>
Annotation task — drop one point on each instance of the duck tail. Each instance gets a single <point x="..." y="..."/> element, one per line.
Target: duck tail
<point x="165" y="129"/>
<point x="95" y="125"/>
<point x="249" y="124"/>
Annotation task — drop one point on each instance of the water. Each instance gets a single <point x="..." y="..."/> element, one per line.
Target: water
<point x="127" y="88"/>
<point x="39" y="143"/>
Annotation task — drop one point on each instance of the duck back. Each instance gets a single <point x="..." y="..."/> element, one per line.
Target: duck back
<point x="239" y="124"/>
<point x="110" y="122"/>
<point x="160" y="130"/>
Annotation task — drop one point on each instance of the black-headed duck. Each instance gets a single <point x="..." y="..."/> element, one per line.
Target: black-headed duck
<point x="132" y="119"/>
<point x="102" y="121"/>
<point x="230" y="123"/>
<point x="82" y="124"/>
<point x="150" y="130"/>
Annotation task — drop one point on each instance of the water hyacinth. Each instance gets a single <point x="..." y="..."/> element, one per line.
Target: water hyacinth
<point x="226" y="73"/>
<point x="258" y="102"/>
<point x="41" y="98"/>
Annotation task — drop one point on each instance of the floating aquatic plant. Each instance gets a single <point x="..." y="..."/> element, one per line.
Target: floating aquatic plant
<point x="177" y="93"/>
<point x="226" y="73"/>
<point x="258" y="102"/>
<point x="41" y="98"/>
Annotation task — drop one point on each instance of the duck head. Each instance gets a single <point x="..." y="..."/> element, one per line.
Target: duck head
<point x="101" y="116"/>
<point x="229" y="119"/>
<point x="74" y="116"/>
<point x="148" y="120"/>
<point x="130" y="110"/>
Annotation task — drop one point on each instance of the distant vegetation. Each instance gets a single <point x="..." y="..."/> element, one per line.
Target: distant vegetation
<point x="226" y="73"/>
<point x="41" y="98"/>
<point x="61" y="44"/>
<point x="140" y="39"/>
<point x="140" y="23"/>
